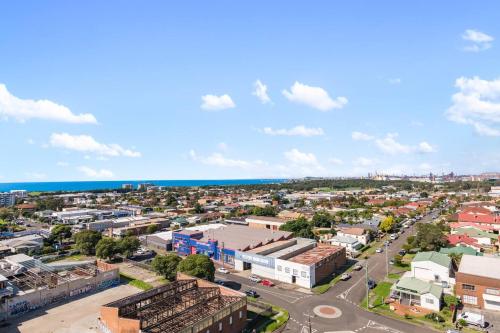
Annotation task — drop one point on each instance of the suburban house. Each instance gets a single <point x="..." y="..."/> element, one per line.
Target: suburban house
<point x="480" y="216"/>
<point x="360" y="234"/>
<point x="478" y="282"/>
<point x="351" y="245"/>
<point x="410" y="291"/>
<point x="265" y="222"/>
<point x="432" y="267"/>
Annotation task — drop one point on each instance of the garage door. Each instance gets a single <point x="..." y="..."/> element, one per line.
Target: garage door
<point x="491" y="305"/>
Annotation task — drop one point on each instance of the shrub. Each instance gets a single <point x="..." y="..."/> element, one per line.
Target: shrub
<point x="434" y="317"/>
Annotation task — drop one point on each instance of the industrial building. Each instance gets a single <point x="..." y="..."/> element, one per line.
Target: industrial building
<point x="187" y="305"/>
<point x="268" y="253"/>
<point x="27" y="284"/>
<point x="220" y="244"/>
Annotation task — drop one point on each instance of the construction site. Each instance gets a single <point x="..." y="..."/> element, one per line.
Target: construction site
<point x="27" y="284"/>
<point x="187" y="305"/>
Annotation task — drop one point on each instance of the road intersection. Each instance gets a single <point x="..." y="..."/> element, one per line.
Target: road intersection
<point x="344" y="296"/>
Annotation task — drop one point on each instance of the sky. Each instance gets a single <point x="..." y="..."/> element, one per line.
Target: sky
<point x="103" y="90"/>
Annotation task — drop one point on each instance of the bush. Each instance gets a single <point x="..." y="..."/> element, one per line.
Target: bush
<point x="434" y="317"/>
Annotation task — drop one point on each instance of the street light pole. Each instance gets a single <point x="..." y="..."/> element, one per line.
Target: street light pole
<point x="386" y="259"/>
<point x="367" y="287"/>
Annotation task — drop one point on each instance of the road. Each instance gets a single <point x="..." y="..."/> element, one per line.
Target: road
<point x="344" y="296"/>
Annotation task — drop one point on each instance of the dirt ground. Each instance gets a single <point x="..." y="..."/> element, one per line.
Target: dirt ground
<point x="141" y="274"/>
<point x="74" y="316"/>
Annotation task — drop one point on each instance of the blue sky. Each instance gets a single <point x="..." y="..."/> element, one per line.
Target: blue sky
<point x="164" y="90"/>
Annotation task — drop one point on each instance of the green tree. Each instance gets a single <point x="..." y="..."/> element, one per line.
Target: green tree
<point x="387" y="224"/>
<point x="198" y="209"/>
<point x="198" y="265"/>
<point x="61" y="232"/>
<point x="128" y="245"/>
<point x="322" y="220"/>
<point x="166" y="265"/>
<point x="264" y="211"/>
<point x="86" y="241"/>
<point x="429" y="237"/>
<point x="151" y="229"/>
<point x="299" y="227"/>
<point x="106" y="248"/>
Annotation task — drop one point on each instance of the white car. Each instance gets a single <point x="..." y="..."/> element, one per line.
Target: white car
<point x="255" y="278"/>
<point x="379" y="250"/>
<point x="345" y="277"/>
<point x="473" y="318"/>
<point x="222" y="270"/>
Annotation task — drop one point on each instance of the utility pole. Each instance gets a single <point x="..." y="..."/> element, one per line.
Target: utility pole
<point x="386" y="259"/>
<point x="367" y="287"/>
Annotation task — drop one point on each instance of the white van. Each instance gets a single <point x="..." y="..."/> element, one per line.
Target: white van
<point x="472" y="318"/>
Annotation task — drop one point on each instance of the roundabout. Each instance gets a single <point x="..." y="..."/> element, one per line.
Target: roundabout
<point x="327" y="311"/>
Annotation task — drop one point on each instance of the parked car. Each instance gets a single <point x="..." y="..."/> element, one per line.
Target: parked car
<point x="387" y="242"/>
<point x="255" y="278"/>
<point x="251" y="293"/>
<point x="402" y="252"/>
<point x="472" y="318"/>
<point x="371" y="283"/>
<point x="379" y="250"/>
<point x="357" y="267"/>
<point x="394" y="236"/>
<point x="220" y="282"/>
<point x="345" y="277"/>
<point x="267" y="283"/>
<point x="391" y="262"/>
<point x="222" y="270"/>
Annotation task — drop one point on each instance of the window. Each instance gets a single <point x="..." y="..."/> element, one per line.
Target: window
<point x="303" y="274"/>
<point x="429" y="301"/>
<point x="241" y="314"/>
<point x="279" y="268"/>
<point x="492" y="291"/>
<point x="231" y="320"/>
<point x="287" y="270"/>
<point x="295" y="272"/>
<point x="468" y="287"/>
<point x="470" y="299"/>
<point x="220" y="327"/>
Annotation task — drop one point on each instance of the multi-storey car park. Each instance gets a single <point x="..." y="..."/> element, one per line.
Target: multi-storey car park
<point x="186" y="305"/>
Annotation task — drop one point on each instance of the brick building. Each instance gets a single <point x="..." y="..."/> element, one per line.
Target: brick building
<point x="187" y="305"/>
<point x="478" y="282"/>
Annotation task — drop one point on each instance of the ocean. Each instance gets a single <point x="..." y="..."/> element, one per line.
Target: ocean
<point x="111" y="185"/>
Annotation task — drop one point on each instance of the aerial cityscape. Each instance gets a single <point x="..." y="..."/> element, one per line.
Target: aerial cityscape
<point x="249" y="167"/>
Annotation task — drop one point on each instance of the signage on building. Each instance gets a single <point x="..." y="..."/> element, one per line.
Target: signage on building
<point x="254" y="259"/>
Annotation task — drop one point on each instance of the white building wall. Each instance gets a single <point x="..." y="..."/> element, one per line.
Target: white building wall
<point x="427" y="271"/>
<point x="238" y="265"/>
<point x="294" y="269"/>
<point x="431" y="302"/>
<point x="263" y="271"/>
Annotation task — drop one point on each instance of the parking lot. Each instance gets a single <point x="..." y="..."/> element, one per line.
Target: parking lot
<point x="77" y="315"/>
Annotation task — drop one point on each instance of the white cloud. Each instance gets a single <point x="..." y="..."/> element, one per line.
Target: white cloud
<point x="477" y="103"/>
<point x="87" y="144"/>
<point x="359" y="136"/>
<point x="315" y="97"/>
<point x="30" y="141"/>
<point x="300" y="130"/>
<point x="26" y="109"/>
<point x="479" y="40"/>
<point x="298" y="157"/>
<point x="364" y="162"/>
<point x="390" y="145"/>
<point x="395" y="81"/>
<point x="425" y="147"/>
<point x="93" y="173"/>
<point x="218" y="159"/>
<point x="260" y="91"/>
<point x="62" y="164"/>
<point x="335" y="161"/>
<point x="214" y="103"/>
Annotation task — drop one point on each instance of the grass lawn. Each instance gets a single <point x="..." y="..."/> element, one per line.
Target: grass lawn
<point x="268" y="322"/>
<point x="134" y="282"/>
<point x="378" y="295"/>
<point x="394" y="276"/>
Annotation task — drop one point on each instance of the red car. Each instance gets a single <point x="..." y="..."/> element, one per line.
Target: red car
<point x="267" y="283"/>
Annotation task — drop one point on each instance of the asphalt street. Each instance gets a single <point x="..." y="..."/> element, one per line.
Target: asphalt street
<point x="345" y="296"/>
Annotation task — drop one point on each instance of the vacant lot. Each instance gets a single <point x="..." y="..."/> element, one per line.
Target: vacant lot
<point x="73" y="316"/>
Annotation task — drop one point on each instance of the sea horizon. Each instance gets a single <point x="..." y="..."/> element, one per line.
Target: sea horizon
<point x="85" y="185"/>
